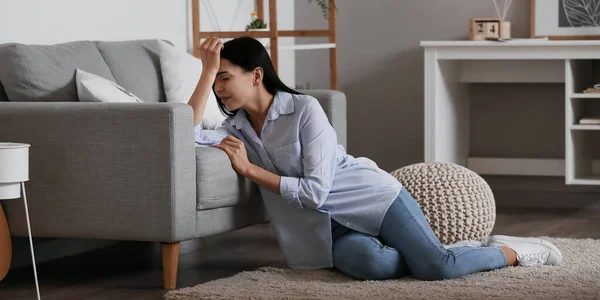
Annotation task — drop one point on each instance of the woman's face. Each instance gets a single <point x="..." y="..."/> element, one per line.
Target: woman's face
<point x="233" y="86"/>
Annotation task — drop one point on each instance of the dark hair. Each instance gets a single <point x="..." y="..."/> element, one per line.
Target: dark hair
<point x="248" y="54"/>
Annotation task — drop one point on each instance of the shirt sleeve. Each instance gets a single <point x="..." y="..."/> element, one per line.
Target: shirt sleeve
<point x="209" y="137"/>
<point x="319" y="145"/>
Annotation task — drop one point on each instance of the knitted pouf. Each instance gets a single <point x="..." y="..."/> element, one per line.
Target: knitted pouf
<point x="458" y="203"/>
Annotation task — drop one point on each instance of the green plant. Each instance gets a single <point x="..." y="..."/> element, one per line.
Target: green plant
<point x="256" y="23"/>
<point x="324" y="4"/>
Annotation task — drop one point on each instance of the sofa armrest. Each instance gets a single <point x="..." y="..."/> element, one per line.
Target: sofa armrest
<point x="119" y="171"/>
<point x="334" y="105"/>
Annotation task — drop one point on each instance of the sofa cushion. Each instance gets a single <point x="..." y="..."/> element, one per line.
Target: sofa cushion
<point x="181" y="72"/>
<point x="93" y="88"/>
<point x="135" y="65"/>
<point x="47" y="72"/>
<point x="217" y="184"/>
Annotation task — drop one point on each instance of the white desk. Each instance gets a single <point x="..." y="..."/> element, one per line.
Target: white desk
<point x="450" y="68"/>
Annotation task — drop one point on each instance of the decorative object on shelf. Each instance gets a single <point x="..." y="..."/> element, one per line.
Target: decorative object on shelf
<point x="566" y="19"/>
<point x="593" y="90"/>
<point x="14" y="171"/>
<point x="481" y="29"/>
<point x="589" y="121"/>
<point x="257" y="23"/>
<point x="324" y="4"/>
<point x="484" y="29"/>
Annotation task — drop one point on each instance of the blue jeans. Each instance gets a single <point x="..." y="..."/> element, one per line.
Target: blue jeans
<point x="407" y="245"/>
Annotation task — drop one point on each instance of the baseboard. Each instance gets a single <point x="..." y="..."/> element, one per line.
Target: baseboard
<point x="553" y="200"/>
<point x="547" y="192"/>
<point x="522" y="166"/>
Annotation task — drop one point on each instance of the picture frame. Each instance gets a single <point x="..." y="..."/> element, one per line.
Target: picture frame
<point x="562" y="20"/>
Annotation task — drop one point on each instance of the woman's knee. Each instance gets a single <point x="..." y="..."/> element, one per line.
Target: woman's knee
<point x="366" y="258"/>
<point x="435" y="271"/>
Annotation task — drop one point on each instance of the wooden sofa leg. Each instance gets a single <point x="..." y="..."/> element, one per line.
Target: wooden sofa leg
<point x="170" y="260"/>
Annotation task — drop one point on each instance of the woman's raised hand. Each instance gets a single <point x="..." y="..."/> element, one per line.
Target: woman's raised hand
<point x="210" y="54"/>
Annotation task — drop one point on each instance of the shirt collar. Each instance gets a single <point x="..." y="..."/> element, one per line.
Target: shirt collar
<point x="283" y="104"/>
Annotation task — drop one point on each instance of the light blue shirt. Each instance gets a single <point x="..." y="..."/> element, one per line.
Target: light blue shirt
<point x="319" y="180"/>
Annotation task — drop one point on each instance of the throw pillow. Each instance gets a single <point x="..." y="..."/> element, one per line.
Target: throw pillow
<point x="181" y="72"/>
<point x="93" y="88"/>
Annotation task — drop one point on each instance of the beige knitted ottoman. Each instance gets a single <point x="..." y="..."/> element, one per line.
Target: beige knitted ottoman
<point x="458" y="203"/>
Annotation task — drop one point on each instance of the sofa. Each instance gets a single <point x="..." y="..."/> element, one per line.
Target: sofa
<point x="120" y="171"/>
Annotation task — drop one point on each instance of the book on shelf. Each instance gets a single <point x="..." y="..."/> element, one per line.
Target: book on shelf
<point x="589" y="121"/>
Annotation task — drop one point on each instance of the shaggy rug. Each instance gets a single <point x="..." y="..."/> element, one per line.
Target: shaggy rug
<point x="577" y="278"/>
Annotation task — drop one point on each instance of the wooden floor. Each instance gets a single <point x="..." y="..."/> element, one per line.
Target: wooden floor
<point x="133" y="270"/>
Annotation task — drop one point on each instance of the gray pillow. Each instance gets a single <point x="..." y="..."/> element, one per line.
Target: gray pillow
<point x="135" y="64"/>
<point x="46" y="73"/>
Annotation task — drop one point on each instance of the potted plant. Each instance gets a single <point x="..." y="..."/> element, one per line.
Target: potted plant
<point x="256" y="24"/>
<point x="324" y="5"/>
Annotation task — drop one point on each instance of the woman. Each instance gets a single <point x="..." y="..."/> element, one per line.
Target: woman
<point x="327" y="208"/>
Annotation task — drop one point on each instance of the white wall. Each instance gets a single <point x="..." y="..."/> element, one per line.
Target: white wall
<point x="57" y="21"/>
<point x="380" y="66"/>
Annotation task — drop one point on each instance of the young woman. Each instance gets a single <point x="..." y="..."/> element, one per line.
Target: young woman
<point x="328" y="208"/>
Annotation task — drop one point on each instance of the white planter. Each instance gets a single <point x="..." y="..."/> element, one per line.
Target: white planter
<point x="264" y="41"/>
<point x="14" y="169"/>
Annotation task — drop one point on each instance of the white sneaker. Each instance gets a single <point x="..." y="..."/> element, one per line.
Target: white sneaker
<point x="465" y="243"/>
<point x="530" y="251"/>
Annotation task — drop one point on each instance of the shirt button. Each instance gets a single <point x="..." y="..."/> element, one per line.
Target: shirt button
<point x="347" y="224"/>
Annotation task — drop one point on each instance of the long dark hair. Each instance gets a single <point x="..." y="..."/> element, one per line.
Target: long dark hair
<point x="248" y="54"/>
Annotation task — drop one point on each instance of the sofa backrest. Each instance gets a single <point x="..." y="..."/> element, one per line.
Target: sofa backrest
<point x="135" y="66"/>
<point x="46" y="73"/>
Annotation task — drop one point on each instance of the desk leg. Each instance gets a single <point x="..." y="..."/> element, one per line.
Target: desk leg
<point x="37" y="287"/>
<point x="446" y="111"/>
<point x="5" y="245"/>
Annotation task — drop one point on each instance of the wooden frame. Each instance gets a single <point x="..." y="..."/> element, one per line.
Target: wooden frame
<point x="273" y="34"/>
<point x="561" y="37"/>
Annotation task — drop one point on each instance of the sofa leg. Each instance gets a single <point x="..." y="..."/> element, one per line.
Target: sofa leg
<point x="170" y="260"/>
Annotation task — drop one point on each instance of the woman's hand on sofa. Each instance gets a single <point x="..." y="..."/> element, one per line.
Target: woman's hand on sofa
<point x="236" y="151"/>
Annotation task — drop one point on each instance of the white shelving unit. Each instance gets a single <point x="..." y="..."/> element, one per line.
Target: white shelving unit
<point x="581" y="167"/>
<point x="452" y="66"/>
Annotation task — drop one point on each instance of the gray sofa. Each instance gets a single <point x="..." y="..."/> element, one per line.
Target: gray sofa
<point x="120" y="171"/>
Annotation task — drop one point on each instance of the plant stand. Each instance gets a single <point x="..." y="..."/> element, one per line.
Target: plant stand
<point x="273" y="34"/>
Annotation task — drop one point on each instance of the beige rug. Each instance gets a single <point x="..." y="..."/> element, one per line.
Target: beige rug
<point x="577" y="278"/>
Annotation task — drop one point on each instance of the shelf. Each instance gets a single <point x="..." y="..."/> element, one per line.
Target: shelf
<point x="587" y="180"/>
<point x="585" y="96"/>
<point x="585" y="127"/>
<point x="307" y="46"/>
<point x="274" y="35"/>
<point x="233" y="34"/>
